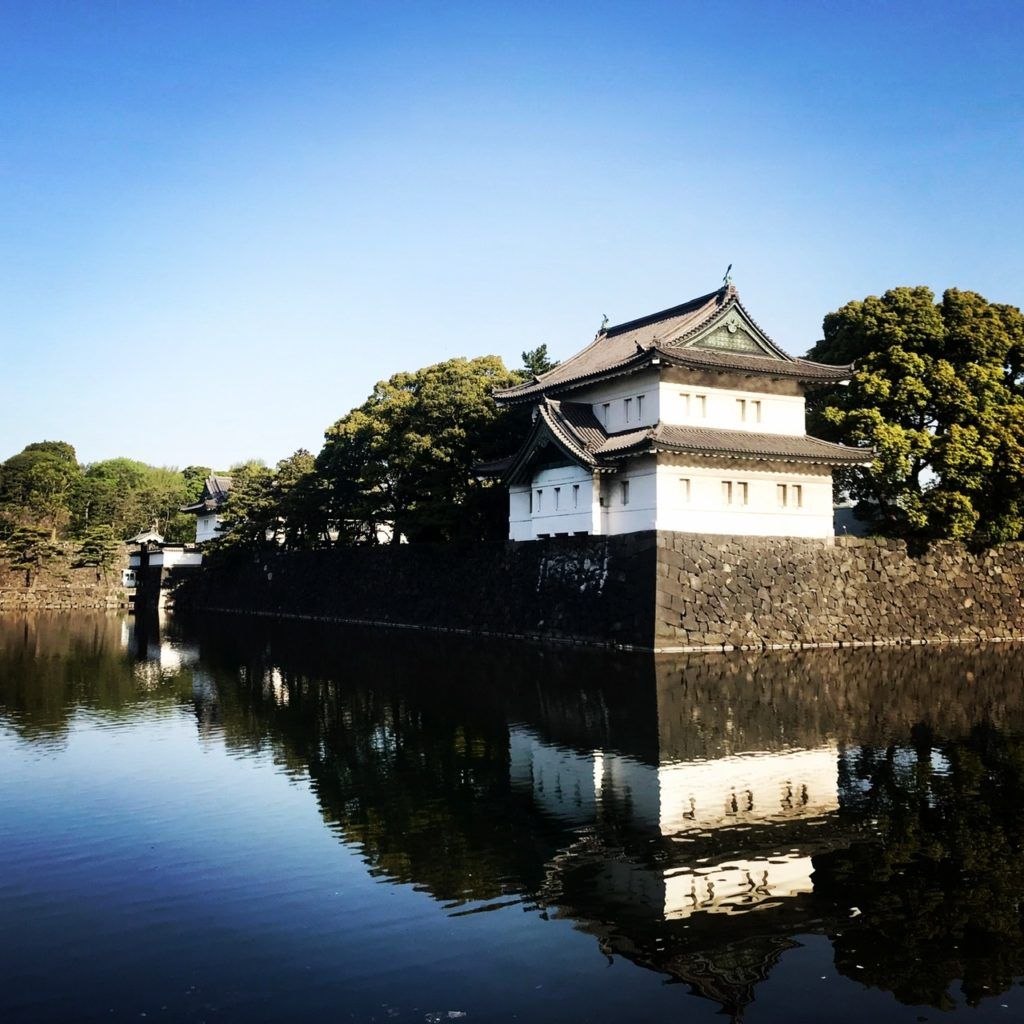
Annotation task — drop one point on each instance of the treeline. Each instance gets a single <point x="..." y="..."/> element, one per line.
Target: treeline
<point x="398" y="466"/>
<point x="51" y="505"/>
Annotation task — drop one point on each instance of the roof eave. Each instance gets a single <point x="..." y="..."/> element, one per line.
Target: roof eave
<point x="789" y="369"/>
<point x="631" y="365"/>
<point x="653" y="446"/>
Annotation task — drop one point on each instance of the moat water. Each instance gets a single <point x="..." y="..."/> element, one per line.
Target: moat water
<point x="236" y="820"/>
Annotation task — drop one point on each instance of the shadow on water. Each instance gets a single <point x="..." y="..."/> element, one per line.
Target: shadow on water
<point x="695" y="814"/>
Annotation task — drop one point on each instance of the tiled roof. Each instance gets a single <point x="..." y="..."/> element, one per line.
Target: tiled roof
<point x="668" y="334"/>
<point x="578" y="432"/>
<point x="732" y="444"/>
<point x="579" y="421"/>
<point x="215" y="493"/>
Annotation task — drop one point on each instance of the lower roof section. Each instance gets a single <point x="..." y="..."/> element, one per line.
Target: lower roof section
<point x="746" y="444"/>
<point x="579" y="437"/>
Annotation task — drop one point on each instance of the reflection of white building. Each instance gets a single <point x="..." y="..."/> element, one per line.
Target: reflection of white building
<point x="158" y="655"/>
<point x="690" y="803"/>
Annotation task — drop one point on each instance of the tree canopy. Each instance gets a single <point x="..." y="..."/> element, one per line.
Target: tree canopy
<point x="537" y="361"/>
<point x="405" y="456"/>
<point x="44" y="487"/>
<point x="939" y="394"/>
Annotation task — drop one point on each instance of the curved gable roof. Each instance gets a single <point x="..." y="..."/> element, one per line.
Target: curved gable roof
<point x="713" y="331"/>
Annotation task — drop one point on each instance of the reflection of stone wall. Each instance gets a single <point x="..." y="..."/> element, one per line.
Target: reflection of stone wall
<point x="750" y="591"/>
<point x="716" y="705"/>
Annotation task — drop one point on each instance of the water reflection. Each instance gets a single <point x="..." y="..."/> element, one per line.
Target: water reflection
<point x="696" y="815"/>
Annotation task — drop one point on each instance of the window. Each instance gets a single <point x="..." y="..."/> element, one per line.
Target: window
<point x="741" y="409"/>
<point x="684" y="488"/>
<point x="575" y="495"/>
<point x="627" y="405"/>
<point x="702" y="405"/>
<point x="735" y="493"/>
<point x="640" y="408"/>
<point x="540" y="500"/>
<point x="790" y="495"/>
<point x="605" y="410"/>
<point x="684" y="397"/>
<point x="558" y="496"/>
<point x="625" y="492"/>
<point x="755" y="408"/>
<point x="530" y="494"/>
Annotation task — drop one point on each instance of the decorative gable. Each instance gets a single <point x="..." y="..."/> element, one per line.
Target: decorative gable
<point x="734" y="333"/>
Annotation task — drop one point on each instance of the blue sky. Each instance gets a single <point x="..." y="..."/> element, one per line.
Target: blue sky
<point x="221" y="223"/>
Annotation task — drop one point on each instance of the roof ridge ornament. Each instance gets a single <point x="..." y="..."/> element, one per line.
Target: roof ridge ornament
<point x="727" y="278"/>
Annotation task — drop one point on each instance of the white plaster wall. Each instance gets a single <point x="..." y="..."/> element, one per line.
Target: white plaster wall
<point x="641" y="512"/>
<point x="780" y="414"/>
<point x="206" y="527"/>
<point x="706" y="511"/>
<point x="570" y="517"/>
<point x="614" y="392"/>
<point x="171" y="557"/>
<point x="520" y="522"/>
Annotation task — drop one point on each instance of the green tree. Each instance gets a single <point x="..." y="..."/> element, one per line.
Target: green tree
<point x="29" y="549"/>
<point x="536" y="361"/>
<point x="106" y="496"/>
<point x="37" y="485"/>
<point x="938" y="394"/>
<point x="251" y="510"/>
<point x="129" y="496"/>
<point x="99" y="548"/>
<point x="405" y="456"/>
<point x="299" y="498"/>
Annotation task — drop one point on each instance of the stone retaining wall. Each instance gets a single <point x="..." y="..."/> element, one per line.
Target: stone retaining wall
<point x="60" y="587"/>
<point x="62" y="597"/>
<point x="653" y="591"/>
<point x="758" y="592"/>
<point x="597" y="590"/>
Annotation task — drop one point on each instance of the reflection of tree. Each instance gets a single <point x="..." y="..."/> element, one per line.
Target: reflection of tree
<point x="417" y="776"/>
<point x="53" y="664"/>
<point x="939" y="889"/>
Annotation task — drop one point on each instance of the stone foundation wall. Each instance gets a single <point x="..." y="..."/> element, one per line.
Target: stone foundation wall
<point x="757" y="592"/>
<point x="59" y="587"/>
<point x="660" y="591"/>
<point x="596" y="590"/>
<point x="83" y="592"/>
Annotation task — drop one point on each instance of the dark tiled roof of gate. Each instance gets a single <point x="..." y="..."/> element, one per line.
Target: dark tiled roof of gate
<point x="215" y="493"/>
